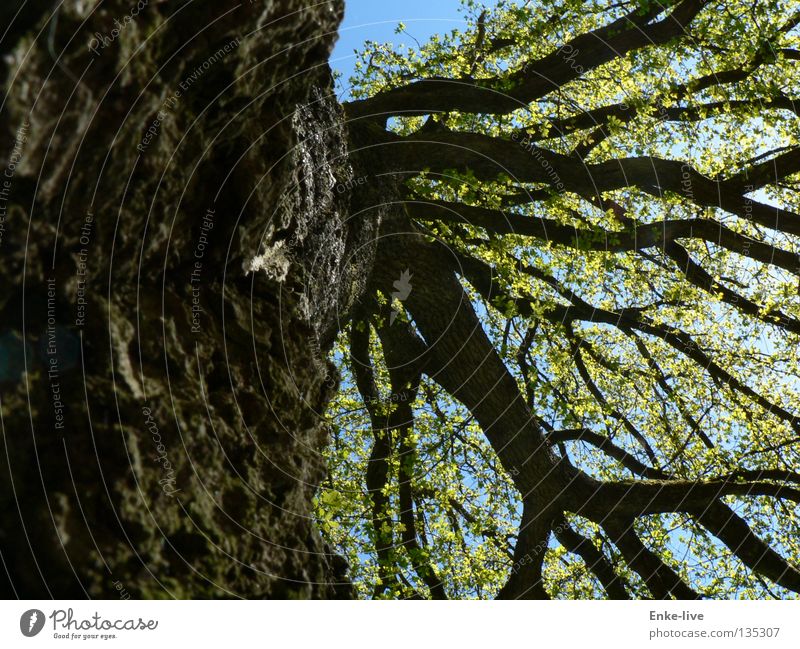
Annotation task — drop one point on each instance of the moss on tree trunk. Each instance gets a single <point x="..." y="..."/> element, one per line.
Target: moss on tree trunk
<point x="177" y="257"/>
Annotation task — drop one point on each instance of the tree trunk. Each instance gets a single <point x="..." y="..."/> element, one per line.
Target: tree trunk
<point x="177" y="258"/>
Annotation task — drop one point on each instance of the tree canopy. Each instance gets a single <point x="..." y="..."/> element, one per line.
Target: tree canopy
<point x="575" y="374"/>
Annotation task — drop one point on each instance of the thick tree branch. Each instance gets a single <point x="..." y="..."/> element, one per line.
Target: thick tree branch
<point x="525" y="579"/>
<point x="490" y="157"/>
<point x="463" y="360"/>
<point x="377" y="477"/>
<point x="636" y="237"/>
<point x="537" y="78"/>
<point x="661" y="580"/>
<point x="603" y="443"/>
<point x="756" y="554"/>
<point x="404" y="376"/>
<point x="700" y="277"/>
<point x="595" y="561"/>
<point x="630" y="498"/>
<point x="483" y="278"/>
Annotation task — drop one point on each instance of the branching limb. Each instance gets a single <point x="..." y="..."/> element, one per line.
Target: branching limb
<point x="636" y="237"/>
<point x="525" y="579"/>
<point x="405" y="375"/>
<point x="595" y="561"/>
<point x="537" y="78"/>
<point x="377" y="477"/>
<point x="661" y="580"/>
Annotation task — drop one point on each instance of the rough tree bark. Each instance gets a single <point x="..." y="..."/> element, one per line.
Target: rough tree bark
<point x="185" y="226"/>
<point x="177" y="255"/>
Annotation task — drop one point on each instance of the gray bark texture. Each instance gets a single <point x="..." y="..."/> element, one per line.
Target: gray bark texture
<point x="177" y="257"/>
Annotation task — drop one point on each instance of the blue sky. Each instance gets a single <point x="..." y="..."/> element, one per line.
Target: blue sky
<point x="376" y="20"/>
